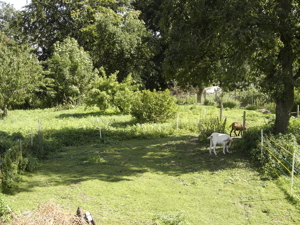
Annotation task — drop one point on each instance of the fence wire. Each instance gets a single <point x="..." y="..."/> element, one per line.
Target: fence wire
<point x="283" y="164"/>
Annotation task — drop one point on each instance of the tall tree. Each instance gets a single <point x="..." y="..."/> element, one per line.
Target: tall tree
<point x="151" y="15"/>
<point x="109" y="30"/>
<point x="8" y="18"/>
<point x="71" y="70"/>
<point x="234" y="42"/>
<point x="20" y="72"/>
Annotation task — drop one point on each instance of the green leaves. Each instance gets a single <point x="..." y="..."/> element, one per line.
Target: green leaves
<point x="154" y="107"/>
<point x="20" y="72"/>
<point x="107" y="92"/>
<point x="71" y="70"/>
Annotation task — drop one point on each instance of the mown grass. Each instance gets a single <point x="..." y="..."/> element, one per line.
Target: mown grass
<point x="134" y="182"/>
<point x="147" y="174"/>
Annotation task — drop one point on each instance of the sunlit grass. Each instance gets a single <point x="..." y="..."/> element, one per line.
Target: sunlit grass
<point x="145" y="173"/>
<point x="142" y="181"/>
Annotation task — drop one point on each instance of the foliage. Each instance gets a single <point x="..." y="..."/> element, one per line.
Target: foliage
<point x="231" y="104"/>
<point x="153" y="107"/>
<point x="20" y="73"/>
<point x="10" y="176"/>
<point x="8" y="15"/>
<point x="107" y="92"/>
<point x="234" y="48"/>
<point x="71" y="70"/>
<point x="120" y="44"/>
<point x="208" y="102"/>
<point x="209" y="126"/>
<point x="280" y="146"/>
<point x="170" y="219"/>
<point x="4" y="212"/>
<point x="40" y="148"/>
<point x="18" y="155"/>
<point x="110" y="31"/>
<point x="251" y="107"/>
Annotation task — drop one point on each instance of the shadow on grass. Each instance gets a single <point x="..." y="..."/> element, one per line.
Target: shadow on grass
<point x="87" y="114"/>
<point x="127" y="160"/>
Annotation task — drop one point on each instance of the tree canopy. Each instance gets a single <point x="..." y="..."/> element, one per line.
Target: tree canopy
<point x="230" y="43"/>
<point x="71" y="70"/>
<point x="21" y="73"/>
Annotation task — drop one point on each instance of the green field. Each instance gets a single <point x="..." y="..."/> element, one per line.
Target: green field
<point x="149" y="178"/>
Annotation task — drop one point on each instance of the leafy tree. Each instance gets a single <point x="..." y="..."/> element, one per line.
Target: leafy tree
<point x="236" y="42"/>
<point x="8" y="21"/>
<point x="109" y="30"/>
<point x="71" y="70"/>
<point x="151" y="15"/>
<point x="121" y="43"/>
<point x="20" y="73"/>
<point x="107" y="92"/>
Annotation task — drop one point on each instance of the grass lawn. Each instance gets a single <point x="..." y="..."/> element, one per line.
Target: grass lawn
<point x="170" y="180"/>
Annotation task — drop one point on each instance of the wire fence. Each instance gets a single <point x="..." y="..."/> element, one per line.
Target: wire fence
<point x="282" y="160"/>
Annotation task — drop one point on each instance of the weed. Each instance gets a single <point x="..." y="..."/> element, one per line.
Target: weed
<point x="170" y="219"/>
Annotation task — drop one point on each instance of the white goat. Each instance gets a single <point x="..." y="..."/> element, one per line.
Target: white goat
<point x="219" y="139"/>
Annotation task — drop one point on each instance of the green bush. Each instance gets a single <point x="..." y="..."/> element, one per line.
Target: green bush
<point x="251" y="107"/>
<point x="208" y="102"/>
<point x="4" y="212"/>
<point x="106" y="92"/>
<point x="41" y="148"/>
<point x="209" y="126"/>
<point x="10" y="165"/>
<point x="153" y="107"/>
<point x="231" y="104"/>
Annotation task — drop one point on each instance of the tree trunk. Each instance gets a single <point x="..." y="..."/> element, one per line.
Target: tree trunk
<point x="282" y="116"/>
<point x="199" y="95"/>
<point x="284" y="97"/>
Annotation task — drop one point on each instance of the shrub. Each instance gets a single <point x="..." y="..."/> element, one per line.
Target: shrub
<point x="9" y="169"/>
<point x="41" y="148"/>
<point x="231" y="104"/>
<point x="251" y="107"/>
<point x="208" y="102"/>
<point x="107" y="92"/>
<point x="153" y="107"/>
<point x="210" y="125"/>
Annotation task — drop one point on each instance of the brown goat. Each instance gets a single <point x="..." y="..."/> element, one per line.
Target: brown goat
<point x="237" y="127"/>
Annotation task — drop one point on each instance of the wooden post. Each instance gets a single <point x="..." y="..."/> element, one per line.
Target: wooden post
<point x="292" y="175"/>
<point x="221" y="110"/>
<point x="100" y="134"/>
<point x="297" y="110"/>
<point x="39" y="127"/>
<point x="244" y="123"/>
<point x="262" y="142"/>
<point x="31" y="138"/>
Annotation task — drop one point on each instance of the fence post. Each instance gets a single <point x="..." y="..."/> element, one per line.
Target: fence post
<point x="297" y="110"/>
<point x="262" y="142"/>
<point x="244" y="123"/>
<point x="221" y="110"/>
<point x="100" y="134"/>
<point x="292" y="174"/>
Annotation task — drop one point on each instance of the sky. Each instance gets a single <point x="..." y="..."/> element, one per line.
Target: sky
<point x="18" y="4"/>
